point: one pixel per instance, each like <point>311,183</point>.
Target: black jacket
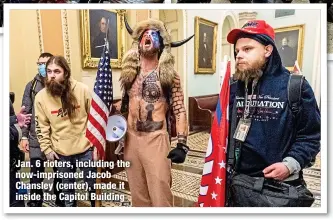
<point>15,152</point>
<point>28,101</point>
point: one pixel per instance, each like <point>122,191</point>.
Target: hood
<point>39,78</point>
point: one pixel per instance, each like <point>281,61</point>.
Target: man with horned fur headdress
<point>151,95</point>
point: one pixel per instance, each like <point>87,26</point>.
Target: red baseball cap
<point>252,27</point>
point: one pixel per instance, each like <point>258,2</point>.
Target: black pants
<point>14,190</point>
<point>34,179</point>
<point>56,192</point>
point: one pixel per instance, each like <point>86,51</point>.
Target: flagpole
<point>213,181</point>
<point>98,203</point>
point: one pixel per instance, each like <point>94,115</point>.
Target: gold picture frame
<point>293,38</point>
<point>89,20</point>
<point>205,46</point>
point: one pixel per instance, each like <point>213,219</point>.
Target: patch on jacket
<point>262,107</point>
<point>60,112</point>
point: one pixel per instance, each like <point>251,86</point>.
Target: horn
<point>129,29</point>
<point>179,43</point>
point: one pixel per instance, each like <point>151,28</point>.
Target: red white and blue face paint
<point>150,40</point>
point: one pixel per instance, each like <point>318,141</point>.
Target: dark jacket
<point>15,152</point>
<point>274,133</point>
<point>27,101</point>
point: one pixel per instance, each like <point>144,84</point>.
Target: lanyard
<point>247,104</point>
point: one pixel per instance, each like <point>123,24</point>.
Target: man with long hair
<point>29,141</point>
<point>61,113</point>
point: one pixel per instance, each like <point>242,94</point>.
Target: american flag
<point>213,182</point>
<point>101,104</point>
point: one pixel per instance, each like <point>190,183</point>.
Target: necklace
<point>144,75</point>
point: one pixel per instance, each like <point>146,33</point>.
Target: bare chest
<point>147,104</point>
<point>147,88</point>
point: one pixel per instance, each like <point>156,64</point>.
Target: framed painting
<point>97,27</point>
<point>289,42</point>
<point>205,46</point>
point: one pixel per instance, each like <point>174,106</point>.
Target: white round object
<point>116,128</point>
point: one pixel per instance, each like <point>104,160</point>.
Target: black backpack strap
<point>232,141</point>
<point>33,89</point>
<point>294,99</point>
<point>295,92</point>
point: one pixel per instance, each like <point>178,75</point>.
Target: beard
<point>254,72</point>
<point>55,88</point>
<point>149,52</point>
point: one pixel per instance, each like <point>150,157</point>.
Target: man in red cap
<point>277,143</point>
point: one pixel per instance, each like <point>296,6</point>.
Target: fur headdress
<point>131,60</point>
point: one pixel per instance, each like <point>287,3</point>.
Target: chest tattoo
<point>150,90</point>
<point>149,125</point>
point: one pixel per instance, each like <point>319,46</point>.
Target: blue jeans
<point>85,156</point>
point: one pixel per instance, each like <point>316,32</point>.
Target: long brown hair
<point>68,100</point>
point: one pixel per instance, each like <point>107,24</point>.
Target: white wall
<point>308,17</point>
<point>204,84</point>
